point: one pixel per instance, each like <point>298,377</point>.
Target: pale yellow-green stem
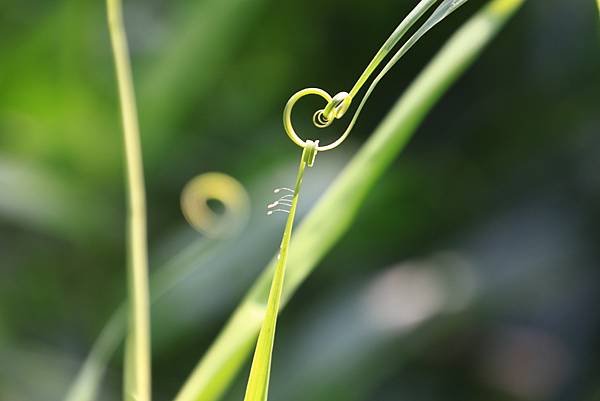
<point>260,371</point>
<point>137,348</point>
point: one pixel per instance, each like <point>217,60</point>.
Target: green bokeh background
<point>472,271</point>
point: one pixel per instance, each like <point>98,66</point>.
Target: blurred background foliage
<point>471,272</point>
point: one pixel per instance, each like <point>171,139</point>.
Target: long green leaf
<point>258,382</point>
<point>334,213</point>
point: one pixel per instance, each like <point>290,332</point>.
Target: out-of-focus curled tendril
<point>221,188</point>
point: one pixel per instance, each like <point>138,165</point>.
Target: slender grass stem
<point>260,371</point>
<point>137,352</point>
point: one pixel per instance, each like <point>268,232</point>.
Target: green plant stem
<point>137,348</point>
<point>258,381</point>
<point>334,213</point>
<point>391,42</point>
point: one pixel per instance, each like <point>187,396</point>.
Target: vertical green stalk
<point>137,347</point>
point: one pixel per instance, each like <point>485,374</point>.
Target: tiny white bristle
<point>270,212</point>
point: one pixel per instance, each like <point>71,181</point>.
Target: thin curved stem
<point>338,105</point>
<point>137,349</point>
<point>391,42</point>
<point>445,9</point>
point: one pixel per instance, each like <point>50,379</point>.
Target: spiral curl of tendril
<point>197,194</point>
<point>337,106</point>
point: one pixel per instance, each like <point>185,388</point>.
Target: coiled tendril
<point>220,187</point>
<point>337,106</point>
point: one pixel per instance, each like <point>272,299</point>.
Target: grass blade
<point>334,213</point>
<point>137,347</point>
<point>258,382</point>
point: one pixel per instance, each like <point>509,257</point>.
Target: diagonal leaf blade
<point>258,382</point>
